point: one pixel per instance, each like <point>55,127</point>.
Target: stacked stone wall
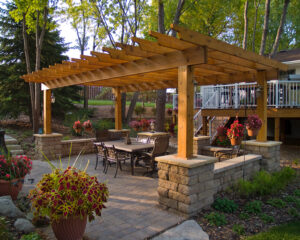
<point>78,145</point>
<point>48,145</point>
<point>199,143</point>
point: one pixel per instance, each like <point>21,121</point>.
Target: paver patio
<point>132,209</point>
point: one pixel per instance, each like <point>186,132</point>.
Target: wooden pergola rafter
<point>168,62</point>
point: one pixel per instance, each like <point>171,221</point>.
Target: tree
<point>266,28</point>
<point>245,25</point>
<point>280,28</point>
<point>29,12</point>
<point>14,91</point>
<point>256,4</point>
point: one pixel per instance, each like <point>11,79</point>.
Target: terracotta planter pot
<point>253,132</point>
<point>235,141</point>
<point>11,188</point>
<point>77,130</point>
<point>88,129</point>
<point>221,138</point>
<point>69,229</point>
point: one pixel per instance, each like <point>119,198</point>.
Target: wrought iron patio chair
<point>113,156</point>
<point>100,153</point>
<point>142,139</point>
<point>235,151</point>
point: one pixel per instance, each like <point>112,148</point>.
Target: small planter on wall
<point>235,141</point>
<point>12,187</point>
<point>253,132</point>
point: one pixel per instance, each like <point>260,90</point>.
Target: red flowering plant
<point>236,130</point>
<point>68,192</point>
<point>135,124</point>
<point>145,123</point>
<point>222,131</point>
<point>87,125</point>
<point>14,167</point>
<point>253,122</point>
<point>77,126</point>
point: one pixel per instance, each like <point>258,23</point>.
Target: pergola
<point>168,62</point>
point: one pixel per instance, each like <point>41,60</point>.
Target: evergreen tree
<point>14,91</point>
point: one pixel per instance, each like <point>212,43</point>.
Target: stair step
<point>16,152</point>
<point>14,147</point>
<point>11,141</point>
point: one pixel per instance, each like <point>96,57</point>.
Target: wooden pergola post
<point>204,125</point>
<point>118,109</point>
<point>185,111</point>
<point>262,106</point>
<point>277,129</point>
<point>47,112</point>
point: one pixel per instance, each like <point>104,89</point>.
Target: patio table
<point>133,149</point>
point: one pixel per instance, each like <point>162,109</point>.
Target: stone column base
<point>186,186</point>
<point>115,134</point>
<point>200,142</point>
<point>48,145</point>
<point>269,150</point>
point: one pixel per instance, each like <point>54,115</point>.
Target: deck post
<point>262,105</point>
<point>185,111</point>
<point>47,112</point>
<point>204,125</point>
<point>277,129</point>
<point>118,109</point>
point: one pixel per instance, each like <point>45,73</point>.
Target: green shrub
<point>104,124</point>
<point>297,193</point>
<point>225,205</point>
<point>66,138</point>
<point>31,236</point>
<point>266,218</point>
<point>265,183</point>
<point>290,199</point>
<point>139,110</point>
<point>253,207</point>
<point>294,212</point>
<point>244,216</point>
<point>238,229</point>
<point>217,219</point>
<point>277,202</point>
<point>4,233</point>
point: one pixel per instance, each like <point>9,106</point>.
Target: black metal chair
<point>233,152</point>
<point>100,153</point>
<point>113,156</point>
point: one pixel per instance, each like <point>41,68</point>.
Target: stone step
<point>16,152</point>
<point>14,147</point>
<point>10,141</point>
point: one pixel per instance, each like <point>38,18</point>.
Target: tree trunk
<point>177,15</point>
<point>245,25</point>
<point>266,28</point>
<point>161,94</point>
<point>255,23</point>
<point>132,106</point>
<point>280,28</point>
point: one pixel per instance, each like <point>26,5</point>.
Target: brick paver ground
<point>132,209</point>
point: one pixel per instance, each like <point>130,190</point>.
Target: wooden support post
<point>47,112</point>
<point>118,109</point>
<point>277,129</point>
<point>204,125</point>
<point>185,111</point>
<point>262,106</point>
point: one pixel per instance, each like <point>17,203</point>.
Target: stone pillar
<point>49,145</point>
<point>186,186</point>
<point>199,142</point>
<point>115,134</point>
<point>269,150</point>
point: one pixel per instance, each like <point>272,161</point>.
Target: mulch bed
<point>253,224</point>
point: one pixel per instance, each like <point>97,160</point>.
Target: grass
<point>289,231</point>
<point>94,102</point>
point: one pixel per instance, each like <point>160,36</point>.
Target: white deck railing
<point>281,94</point>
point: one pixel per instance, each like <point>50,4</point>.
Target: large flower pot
<point>71,228</point>
<point>252,132</point>
<point>235,141</point>
<point>11,188</point>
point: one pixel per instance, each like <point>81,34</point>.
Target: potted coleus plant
<point>221,133</point>
<point>87,125</point>
<point>253,125</point>
<point>69,197</point>
<point>135,125</point>
<point>235,133</point>
<point>77,126</point>
<point>12,173</point>
<point>145,124</point>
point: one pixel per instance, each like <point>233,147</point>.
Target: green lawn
<point>111,102</point>
<point>289,231</point>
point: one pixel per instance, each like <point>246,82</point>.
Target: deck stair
<point>13,146</point>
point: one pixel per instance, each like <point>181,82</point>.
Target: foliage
<point>77,125</point>
<point>238,229</point>
<point>169,111</point>
<point>253,122</point>
<point>236,130</point>
<point>290,231</point>
<point>297,192</point>
<point>294,212</point>
<point>145,123</point>
<point>172,128</point>
<point>276,202</point>
<point>87,125</point>
<point>135,124</point>
<point>266,218</point>
<point>253,207</point>
<point>222,131</point>
<point>244,216</point>
<point>14,167</point>
<point>224,143</point>
<point>139,110</point>
<point>265,183</point>
<point>68,192</point>
<point>104,124</point>
<point>225,205</point>
<point>4,232</point>
<point>217,219</point>
<point>290,198</point>
<point>31,236</point>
